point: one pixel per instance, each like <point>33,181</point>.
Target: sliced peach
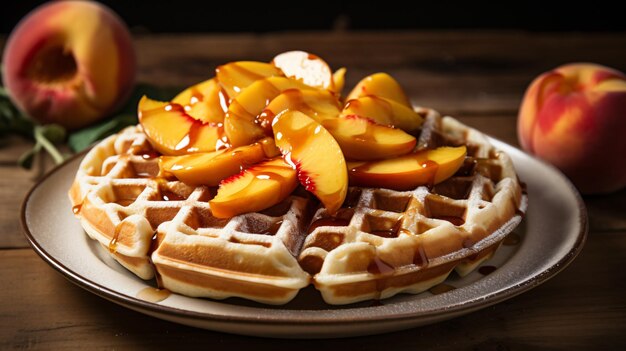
<point>234,77</point>
<point>315,154</point>
<point>210,168</point>
<point>339,80</point>
<point>317,104</point>
<point>362,139</point>
<point>172,132</point>
<point>381,85</point>
<point>384,111</point>
<point>407,172</point>
<point>308,68</point>
<point>240,123</point>
<point>254,189</point>
<point>203,101</point>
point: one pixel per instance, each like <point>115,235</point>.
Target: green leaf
<point>43,141</point>
<point>54,133</point>
<point>27,158</point>
<point>83,138</point>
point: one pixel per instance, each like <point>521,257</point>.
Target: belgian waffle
<point>384,242</point>
<point>380,243</point>
<point>153,226</point>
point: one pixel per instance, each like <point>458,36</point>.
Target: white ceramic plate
<point>551,236</point>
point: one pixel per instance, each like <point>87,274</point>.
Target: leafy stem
<point>42,139</point>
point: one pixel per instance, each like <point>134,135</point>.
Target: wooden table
<point>478,77</point>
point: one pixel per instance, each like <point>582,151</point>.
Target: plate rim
<point>270,319</point>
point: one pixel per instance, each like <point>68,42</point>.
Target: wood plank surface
<point>478,77</point>
<point>582,306</point>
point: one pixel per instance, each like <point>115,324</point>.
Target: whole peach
<point>575,118</point>
<point>69,62</point>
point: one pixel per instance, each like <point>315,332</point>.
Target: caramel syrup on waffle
<point>149,155</point>
<point>76,209</point>
<point>378,266</point>
<point>167,195</point>
<point>420,258</point>
<point>154,245</point>
<point>328,222</point>
<point>116,235</point>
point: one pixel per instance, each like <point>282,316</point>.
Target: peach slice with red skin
<point>426,167</point>
<point>381,85</point>
<point>234,77</point>
<point>211,168</point>
<point>306,67</point>
<point>317,104</point>
<point>204,101</point>
<point>362,139</point>
<point>384,111</point>
<point>254,189</point>
<point>240,124</point>
<point>171,131</point>
<point>316,156</point>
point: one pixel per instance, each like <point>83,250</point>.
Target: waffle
<point>384,242</point>
<point>380,243</point>
<point>153,226</point>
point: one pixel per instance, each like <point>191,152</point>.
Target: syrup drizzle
<point>328,222</point>
<point>153,295</point>
<point>116,234</point>
<point>167,195</point>
<point>76,209</point>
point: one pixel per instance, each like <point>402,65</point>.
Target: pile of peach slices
<point>257,129</point>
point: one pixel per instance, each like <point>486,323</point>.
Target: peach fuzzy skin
<point>69,62</point>
<point>575,118</point>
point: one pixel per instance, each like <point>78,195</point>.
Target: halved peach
<point>363,139</point>
<point>384,111</point>
<point>315,154</point>
<point>234,77</point>
<point>211,168</point>
<point>171,131</point>
<point>317,104</point>
<point>427,167</point>
<point>381,85</point>
<point>240,123</point>
<point>203,101</point>
<point>306,67</point>
<point>254,189</point>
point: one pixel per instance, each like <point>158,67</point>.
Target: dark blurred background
<point>267,16</point>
